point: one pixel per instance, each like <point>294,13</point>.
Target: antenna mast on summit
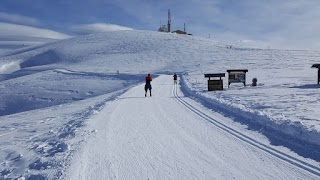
<point>169,20</point>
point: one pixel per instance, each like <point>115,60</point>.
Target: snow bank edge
<point>263,123</point>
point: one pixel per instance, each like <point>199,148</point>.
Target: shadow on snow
<point>56,87</point>
<point>308,86</point>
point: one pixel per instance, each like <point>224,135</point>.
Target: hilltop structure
<point>182,32</point>
<point>164,28</point>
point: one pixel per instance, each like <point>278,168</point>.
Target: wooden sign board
<point>317,66</point>
<point>214,85</point>
<point>237,76</point>
<point>217,84</point>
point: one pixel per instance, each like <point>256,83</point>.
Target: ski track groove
<point>281,155</point>
<point>8,133</point>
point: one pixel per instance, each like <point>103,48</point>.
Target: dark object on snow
<point>317,66</point>
<point>175,78</point>
<point>254,81</point>
<point>237,76</point>
<point>148,85</point>
<point>215,84</point>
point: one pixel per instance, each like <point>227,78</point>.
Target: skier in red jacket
<point>148,85</point>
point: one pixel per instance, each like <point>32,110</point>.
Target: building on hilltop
<point>182,32</point>
<point>179,32</point>
<point>167,28</point>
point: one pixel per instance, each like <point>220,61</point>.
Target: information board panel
<point>237,76</point>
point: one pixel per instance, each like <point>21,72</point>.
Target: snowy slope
<point>51,93</point>
<point>168,137</point>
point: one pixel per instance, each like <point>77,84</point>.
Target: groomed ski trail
<point>159,137</point>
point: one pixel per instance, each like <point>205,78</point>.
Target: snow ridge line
<point>283,156</point>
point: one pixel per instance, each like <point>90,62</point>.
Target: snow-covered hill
<point>50,92</point>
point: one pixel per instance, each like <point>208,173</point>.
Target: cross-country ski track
<point>170,136</point>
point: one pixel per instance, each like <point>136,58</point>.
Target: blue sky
<point>268,23</point>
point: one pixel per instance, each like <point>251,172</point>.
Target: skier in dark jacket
<point>148,85</point>
<point>175,78</point>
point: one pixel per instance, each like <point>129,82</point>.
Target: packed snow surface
<point>75,109</point>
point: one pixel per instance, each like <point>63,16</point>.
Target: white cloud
<point>14,18</point>
<point>98,27</point>
<point>7,29</point>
